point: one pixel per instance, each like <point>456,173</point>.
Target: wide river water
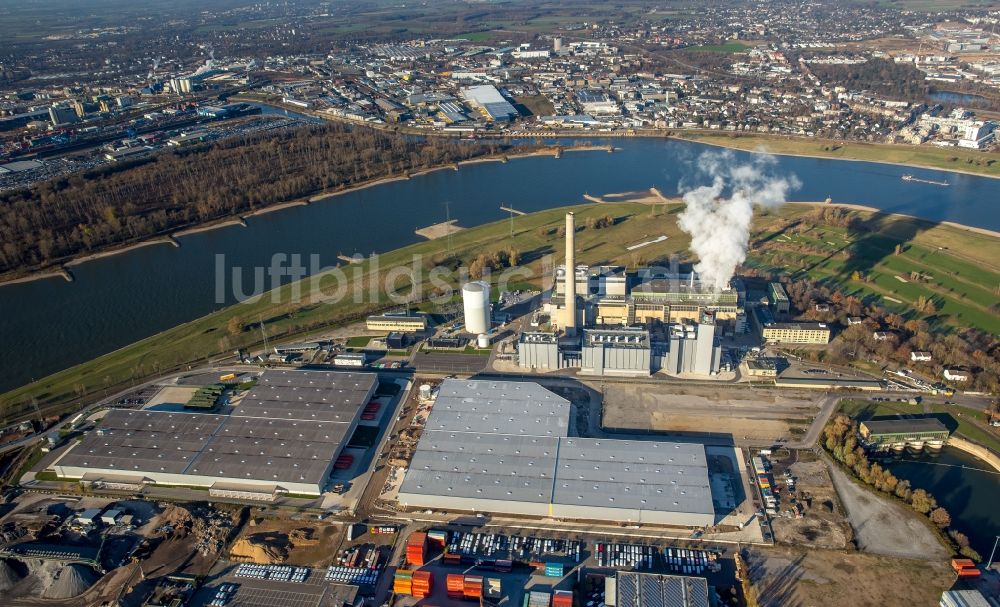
<point>47,325</point>
<point>966,486</point>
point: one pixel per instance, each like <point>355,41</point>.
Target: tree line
<point>117,204</point>
<point>840,440</point>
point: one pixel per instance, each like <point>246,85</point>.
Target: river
<point>966,486</point>
<point>47,325</point>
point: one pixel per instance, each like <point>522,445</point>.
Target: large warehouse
<point>503,447</point>
<point>283,437</point>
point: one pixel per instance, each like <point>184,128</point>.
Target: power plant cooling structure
<point>569,323</point>
<point>476,303</point>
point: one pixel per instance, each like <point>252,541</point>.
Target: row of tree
<point>840,439</point>
<point>86,211</point>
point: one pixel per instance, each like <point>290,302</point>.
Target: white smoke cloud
<point>718,216</point>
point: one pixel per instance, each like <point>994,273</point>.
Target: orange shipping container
<point>562,598</point>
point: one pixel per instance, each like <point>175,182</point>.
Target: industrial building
<point>629,589</point>
<point>538,350</point>
<point>609,295</point>
<point>828,382</point>
<point>613,322</point>
<point>777,297</point>
<point>899,433</point>
<point>503,447</point>
<point>476,306</point>
<point>490,102</point>
<point>694,348</point>
<point>408,323</point>
<point>623,351</point>
<point>283,437</point>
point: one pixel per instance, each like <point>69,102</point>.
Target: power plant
<point>605,320</point>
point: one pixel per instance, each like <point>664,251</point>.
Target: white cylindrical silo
<point>483,341</point>
<point>476,303</point>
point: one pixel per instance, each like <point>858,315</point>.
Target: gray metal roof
<point>282,441</point>
<point>499,407</point>
<point>316,396</point>
<point>506,463</point>
<point>484,466</point>
<point>641,475</point>
<point>652,590</point>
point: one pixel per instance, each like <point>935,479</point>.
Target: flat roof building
<point>282,437</point>
<point>778,298</point>
<point>392,322</point>
<point>628,589</point>
<point>490,102</point>
<point>503,447</point>
<point>789,332</point>
<point>891,431</point>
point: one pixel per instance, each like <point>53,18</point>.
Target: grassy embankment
<point>961,268</point>
<point>209,338</point>
<point>954,418</point>
<point>949,159</point>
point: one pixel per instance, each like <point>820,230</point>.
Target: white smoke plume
<point>718,216</point>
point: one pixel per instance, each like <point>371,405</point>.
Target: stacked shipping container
<point>421,584</point>
<point>965,568</point>
<point>403,582</point>
<point>455,584</point>
<point>416,549</point>
<point>437,538</point>
<point>473,587</point>
<point>537,598</point>
<point>562,598</point>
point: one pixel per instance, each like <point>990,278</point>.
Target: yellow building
<point>796,333</point>
<point>389,323</point>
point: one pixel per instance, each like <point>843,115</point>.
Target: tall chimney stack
<point>569,324</point>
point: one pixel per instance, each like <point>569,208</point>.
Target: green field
<point>214,337</point>
<point>984,163</point>
<point>729,47</point>
<point>961,269</point>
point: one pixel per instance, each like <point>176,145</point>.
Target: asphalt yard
<point>315,591</point>
<point>448,362</point>
<point>269,597</point>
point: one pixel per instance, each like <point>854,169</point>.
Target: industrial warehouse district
<point>625,438</point>
<point>719,395</point>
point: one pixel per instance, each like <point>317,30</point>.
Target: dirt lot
<point>306,543</point>
<point>190,539</point>
<point>757,414</point>
<point>884,526</point>
<point>792,577</point>
<point>824,524</point>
